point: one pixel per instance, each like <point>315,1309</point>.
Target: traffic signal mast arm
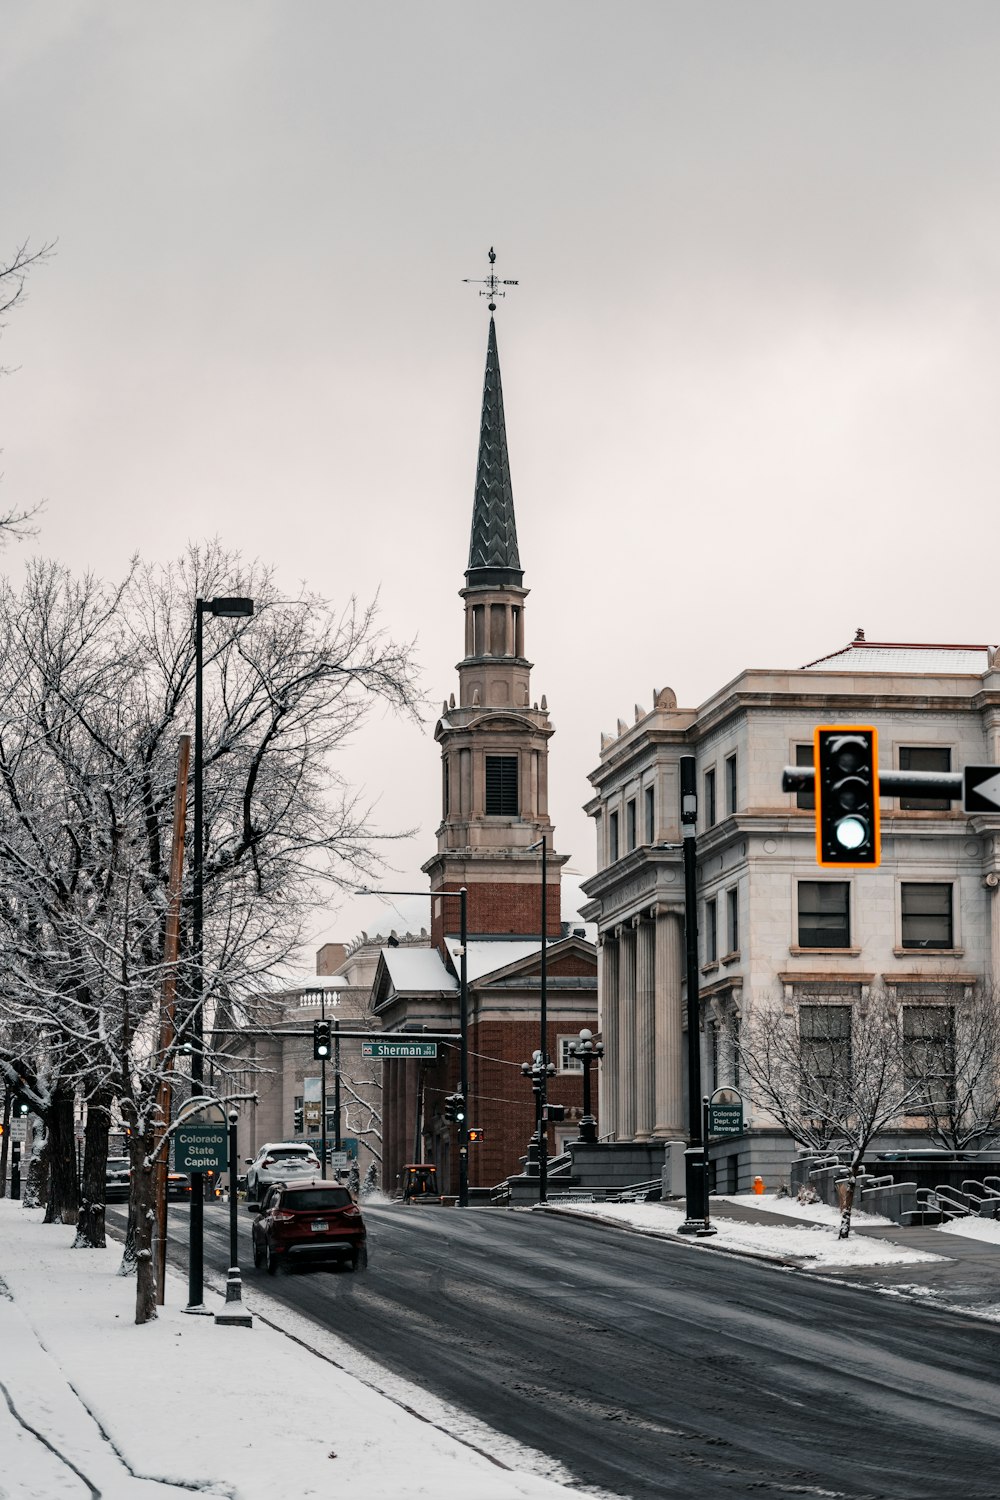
<point>943,784</point>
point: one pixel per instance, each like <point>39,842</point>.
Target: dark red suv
<point>309,1221</point>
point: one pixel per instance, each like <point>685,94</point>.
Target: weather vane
<point>492,283</point>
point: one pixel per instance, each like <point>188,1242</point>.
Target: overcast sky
<point>758,248</point>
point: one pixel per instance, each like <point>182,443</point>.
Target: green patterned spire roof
<point>493,557</point>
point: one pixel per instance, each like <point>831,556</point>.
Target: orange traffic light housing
<point>848,829</point>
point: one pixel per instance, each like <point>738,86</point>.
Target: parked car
<point>178,1185</point>
<point>278,1161</point>
<point>116,1179</point>
<point>309,1221</point>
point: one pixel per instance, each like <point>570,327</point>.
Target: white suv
<point>279,1161</point>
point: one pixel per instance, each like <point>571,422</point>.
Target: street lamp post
<point>234,1312</point>
<point>546,1070</point>
<point>226,609</point>
<point>695,1164</point>
<point>588,1051</point>
<point>463,1002</point>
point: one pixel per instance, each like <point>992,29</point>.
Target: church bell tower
<point>494,738</point>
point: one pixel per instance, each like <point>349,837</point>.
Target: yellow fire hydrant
<point>758,1185</point>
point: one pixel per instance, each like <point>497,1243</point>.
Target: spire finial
<point>492,283</point>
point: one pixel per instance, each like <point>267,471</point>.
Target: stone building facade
<point>772,923</point>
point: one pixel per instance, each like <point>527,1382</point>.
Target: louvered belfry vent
<point>501,786</point>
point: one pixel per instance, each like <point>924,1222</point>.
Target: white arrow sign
<point>981,789</point>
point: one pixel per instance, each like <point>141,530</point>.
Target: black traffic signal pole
<point>336,1088</point>
<point>695,1164</point>
<point>322,1096</point>
<point>944,784</point>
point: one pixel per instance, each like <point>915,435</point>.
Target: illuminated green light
<point>851,832</point>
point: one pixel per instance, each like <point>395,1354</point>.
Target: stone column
<point>608,1015</point>
<point>669,1051</point>
<point>626,1035</point>
<point>644,1028</point>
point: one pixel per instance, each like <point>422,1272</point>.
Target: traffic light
<point>21,1106</point>
<point>454,1108</point>
<point>299,1119</point>
<point>321,1040</point>
<point>847,792</point>
<point>476,1135</point>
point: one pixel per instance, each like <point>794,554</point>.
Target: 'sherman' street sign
<point>388,1050</point>
<point>200,1148</point>
<point>981,789</point>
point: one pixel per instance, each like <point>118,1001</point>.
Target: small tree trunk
<point>90,1223</point>
<point>64,1188</point>
<point>5,1142</point>
<point>36,1176</point>
<point>145,1219</point>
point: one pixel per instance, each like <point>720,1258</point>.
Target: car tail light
<point>268,1161</point>
<point>283,1217</point>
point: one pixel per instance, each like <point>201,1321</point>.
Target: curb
<point>685,1241</point>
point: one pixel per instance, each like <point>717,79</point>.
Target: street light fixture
<point>589,1051</point>
<point>540,1071</point>
<point>546,1070</point>
<point>234,1313</point>
<point>229,608</point>
<point>463,1049</point>
<point>695,1162</point>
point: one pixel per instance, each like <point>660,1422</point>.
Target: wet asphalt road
<point>652,1369</point>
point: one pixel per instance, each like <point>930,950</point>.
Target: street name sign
<point>981,789</point>
<point>390,1050</point>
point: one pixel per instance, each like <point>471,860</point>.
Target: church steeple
<point>494,740</point>
<point>493,556</point>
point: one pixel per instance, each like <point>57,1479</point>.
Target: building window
<point>733,920</point>
<point>926,909</point>
<point>711,931</point>
<point>730,784</point>
<point>650,806</point>
<point>567,1062</point>
<point>713,1037</point>
<point>710,809</point>
<point>612,837</point>
<point>824,1053</point>
<point>924,758</point>
<point>734,1049</point>
<point>501,786</point>
<point>447,787</point>
<point>804,757</point>
<point>630,823</point>
<point>824,914</point>
<point>929,1059</point>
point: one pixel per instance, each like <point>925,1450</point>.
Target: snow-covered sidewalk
<point>90,1403</point>
<point>814,1246</point>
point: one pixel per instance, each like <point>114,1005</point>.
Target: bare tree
<point>96,686</point>
<point>829,1073</point>
<point>15,523</point>
<point>950,1057</point>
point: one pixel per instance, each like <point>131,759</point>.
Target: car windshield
<point>308,1200</point>
<point>292,1153</point>
<point>117,1163</point>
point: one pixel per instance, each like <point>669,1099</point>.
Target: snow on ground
<point>974,1229</point>
<point>791,1208</point>
<point>816,1248</point>
<point>89,1402</point>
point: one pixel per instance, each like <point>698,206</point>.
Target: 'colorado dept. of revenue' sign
<point>200,1148</point>
<point>725,1113</point>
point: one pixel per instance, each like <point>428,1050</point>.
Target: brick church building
<point>494,741</point>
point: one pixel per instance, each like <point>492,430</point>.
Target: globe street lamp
<point>225,609</point>
<point>539,1070</point>
<point>588,1051</point>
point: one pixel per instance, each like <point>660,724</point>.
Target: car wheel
<point>359,1259</point>
<point>272,1262</point>
<point>258,1256</point>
